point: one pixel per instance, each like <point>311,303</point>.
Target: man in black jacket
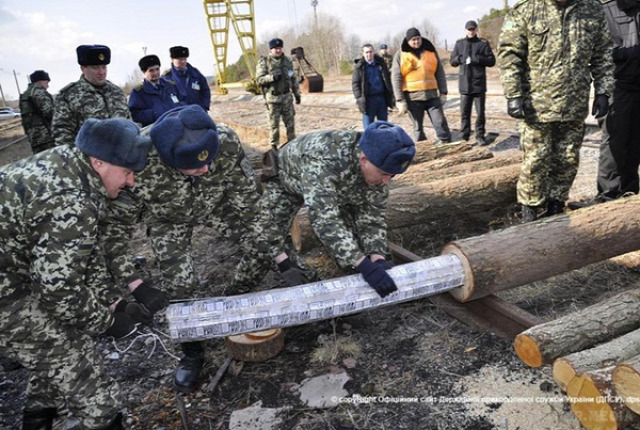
<point>473,54</point>
<point>371,85</point>
<point>620,148</point>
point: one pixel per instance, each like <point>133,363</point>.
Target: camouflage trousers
<point>64,365</point>
<point>40,138</point>
<point>285,111</point>
<point>550,161</point>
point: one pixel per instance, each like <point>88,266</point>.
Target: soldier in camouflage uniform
<point>197,175</point>
<point>549,51</point>
<point>384,53</point>
<point>92,96</point>
<point>342,178</point>
<point>55,291</point>
<point>36,108</point>
<point>277,80</point>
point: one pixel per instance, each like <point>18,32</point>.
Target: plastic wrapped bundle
<point>283,307</point>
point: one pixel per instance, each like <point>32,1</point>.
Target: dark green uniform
<point>36,108</point>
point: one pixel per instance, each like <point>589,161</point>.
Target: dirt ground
<point>411,366</point>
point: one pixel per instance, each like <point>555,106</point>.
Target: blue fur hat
<point>388,147</point>
<point>276,43</point>
<point>93,55</point>
<point>186,137</point>
<point>116,140</point>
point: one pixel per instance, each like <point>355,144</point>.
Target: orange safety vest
<point>419,74</point>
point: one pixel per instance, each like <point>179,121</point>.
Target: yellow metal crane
<point>240,14</point>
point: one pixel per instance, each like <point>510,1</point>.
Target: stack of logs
<point>472,184</point>
<point>600,376</point>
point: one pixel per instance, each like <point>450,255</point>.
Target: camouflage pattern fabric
<point>321,171</point>
<point>171,204</point>
<point>53,281</point>
<point>36,107</point>
<point>550,162</point>
<point>79,101</point>
<point>388,60</point>
<point>548,55</point>
<point>278,94</point>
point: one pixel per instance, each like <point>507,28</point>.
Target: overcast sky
<point>43,34</point>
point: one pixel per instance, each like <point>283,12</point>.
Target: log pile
<point>595,354</point>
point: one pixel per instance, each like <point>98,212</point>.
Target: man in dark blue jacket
<point>473,54</point>
<point>193,88</point>
<point>153,96</point>
<point>371,86</point>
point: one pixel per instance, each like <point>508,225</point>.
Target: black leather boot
<point>529,213</point>
<point>116,424</point>
<point>41,419</point>
<point>554,207</point>
<point>186,376</point>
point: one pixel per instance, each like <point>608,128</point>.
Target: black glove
<point>377,277</point>
<point>297,99</point>
<point>514,108</point>
<point>276,76</point>
<point>122,326</point>
<point>600,106</point>
<point>292,273</point>
<point>152,298</point>
<point>136,311</point>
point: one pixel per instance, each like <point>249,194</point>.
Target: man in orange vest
<point>420,85</point>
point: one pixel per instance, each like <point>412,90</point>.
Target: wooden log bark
<point>426,151</point>
<point>529,252</point>
<point>604,355</point>
<point>476,160</point>
<point>595,403</point>
<point>544,343</point>
<point>477,199</point>
<point>626,380</point>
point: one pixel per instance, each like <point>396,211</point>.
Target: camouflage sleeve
<point>116,230</point>
<point>65,122</point>
<point>63,234</point>
<point>295,86</point>
<point>262,72</point>
<point>601,63</point>
<point>319,189</point>
<point>512,54</point>
<point>44,103</point>
<point>371,223</point>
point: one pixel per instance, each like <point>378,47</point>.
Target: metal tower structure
<point>220,13</point>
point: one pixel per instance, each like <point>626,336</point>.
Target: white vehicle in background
<point>8,113</point>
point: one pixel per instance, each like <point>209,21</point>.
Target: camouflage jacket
<point>323,168</point>
<point>163,196</point>
<point>548,55</point>
<point>276,91</point>
<point>36,109</point>
<point>80,100</point>
<point>51,203</point>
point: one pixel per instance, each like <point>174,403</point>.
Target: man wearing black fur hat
<point>279,85</point>
<point>154,95</point>
<point>36,108</point>
<point>420,85</point>
<point>193,88</point>
<point>92,96</point>
<point>55,292</point>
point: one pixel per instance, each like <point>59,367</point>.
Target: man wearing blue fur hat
<point>341,177</point>
<point>192,86</point>
<point>55,292</point>
<point>198,175</point>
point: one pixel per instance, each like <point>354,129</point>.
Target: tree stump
<point>604,355</point>
<point>544,343</point>
<point>258,346</point>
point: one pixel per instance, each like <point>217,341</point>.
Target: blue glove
<point>377,277</point>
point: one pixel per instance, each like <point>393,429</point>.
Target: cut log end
<point>563,373</point>
<point>627,383</point>
<point>528,351</point>
<point>255,347</point>
<point>466,291</point>
<point>588,407</point>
